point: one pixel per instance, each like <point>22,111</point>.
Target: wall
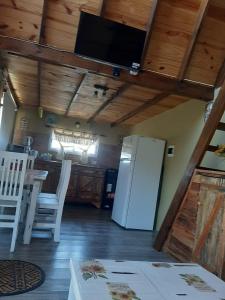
<point>7,122</point>
<point>110,138</point>
<point>181,127</point>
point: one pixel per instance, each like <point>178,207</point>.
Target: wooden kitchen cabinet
<point>85,186</point>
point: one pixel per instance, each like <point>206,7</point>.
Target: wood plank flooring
<point>86,233</point>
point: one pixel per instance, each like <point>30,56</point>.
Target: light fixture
<point>40,112</point>
<point>102,88</point>
<point>77,125</point>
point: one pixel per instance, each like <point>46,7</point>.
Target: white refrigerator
<point>138,182</point>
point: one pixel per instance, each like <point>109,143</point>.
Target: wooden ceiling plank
<point>68,59</point>
<point>201,147</point>
<point>188,53</point>
<point>118,93</point>
<point>149,30</point>
<point>221,75</point>
<point>76,93</point>
<point>140,109</point>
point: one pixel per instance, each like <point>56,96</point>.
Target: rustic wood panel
<point>197,233</point>
<point>63,19</point>
<point>209,51</point>
<point>21,18</point>
<point>173,27</point>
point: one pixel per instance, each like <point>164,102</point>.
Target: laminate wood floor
<point>86,233</point>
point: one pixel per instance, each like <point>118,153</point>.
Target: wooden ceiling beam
<point>118,93</point>
<point>43,22</point>
<point>221,75</point>
<point>102,8</point>
<point>12,91</point>
<point>187,56</point>
<point>68,59</point>
<point>149,30</point>
<point>140,109</point>
<point>221,126</point>
<point>76,93</point>
<point>201,147</point>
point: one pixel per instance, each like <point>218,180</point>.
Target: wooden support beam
<point>197,155</point>
<point>187,56</point>
<point>148,79</point>
<point>43,22</point>
<point>76,93</point>
<point>221,75</point>
<point>149,30</point>
<point>140,109</point>
<point>118,93</point>
<point>39,83</point>
<point>12,91</point>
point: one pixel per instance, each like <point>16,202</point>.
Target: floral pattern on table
<point>121,291</point>
<point>93,269</point>
<point>197,282</point>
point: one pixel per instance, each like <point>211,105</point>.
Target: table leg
<point>71,294</point>
<point>31,212</point>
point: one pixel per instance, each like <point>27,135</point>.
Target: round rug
<point>18,277</point>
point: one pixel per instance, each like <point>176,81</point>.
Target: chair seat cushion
<point>51,203</point>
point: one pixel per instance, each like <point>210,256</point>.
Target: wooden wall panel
<point>131,12</point>
<point>63,19</point>
<point>21,18</point>
<point>171,33</point>
<point>23,74</point>
<point>209,52</point>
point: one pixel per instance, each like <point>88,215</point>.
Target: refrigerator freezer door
<point>129,147</point>
<point>121,199</point>
<point>145,184</point>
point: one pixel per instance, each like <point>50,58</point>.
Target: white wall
<point>7,123</point>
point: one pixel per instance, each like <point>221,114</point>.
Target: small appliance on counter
<point>27,141</point>
<point>109,188</point>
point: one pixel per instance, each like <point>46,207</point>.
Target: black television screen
<point>108,41</point>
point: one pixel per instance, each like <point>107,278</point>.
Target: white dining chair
<point>27,189</point>
<point>12,176</point>
<point>50,206</point>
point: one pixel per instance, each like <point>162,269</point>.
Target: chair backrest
<point>30,162</point>
<point>64,180</point>
<point>12,175</point>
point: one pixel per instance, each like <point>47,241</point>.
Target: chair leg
<point>15,229</point>
<point>57,227</point>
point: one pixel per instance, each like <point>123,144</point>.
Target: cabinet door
<point>90,188</point>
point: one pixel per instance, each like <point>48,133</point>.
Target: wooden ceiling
<point>183,57</point>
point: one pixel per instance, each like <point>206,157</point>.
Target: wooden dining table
<point>34,178</point>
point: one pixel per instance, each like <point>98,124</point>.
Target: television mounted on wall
<point>110,42</point>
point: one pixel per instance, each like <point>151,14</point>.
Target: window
<point>74,142</point>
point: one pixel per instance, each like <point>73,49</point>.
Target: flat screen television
<point>108,41</point>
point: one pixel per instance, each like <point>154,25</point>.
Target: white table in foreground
<point>34,178</point>
<point>120,280</point>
